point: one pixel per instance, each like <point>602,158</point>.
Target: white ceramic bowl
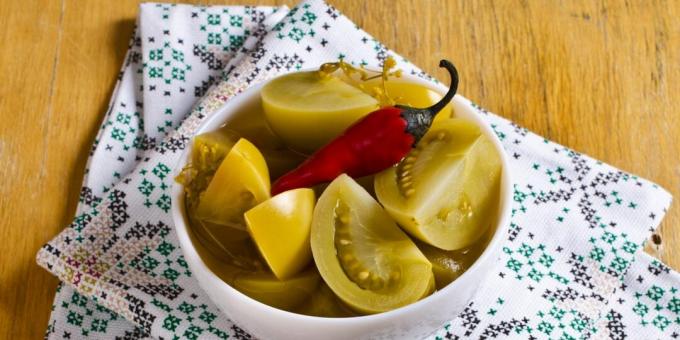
<point>413,321</point>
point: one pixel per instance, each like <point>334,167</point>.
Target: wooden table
<point>601,77</point>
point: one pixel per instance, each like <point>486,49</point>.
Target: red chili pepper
<point>374,143</point>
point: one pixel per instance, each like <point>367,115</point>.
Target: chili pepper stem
<point>434,109</point>
<point>419,120</point>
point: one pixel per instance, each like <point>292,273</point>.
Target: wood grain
<point>27,67</point>
<point>601,77</point>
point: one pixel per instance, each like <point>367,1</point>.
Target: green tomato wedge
<point>264,287</point>
<point>209,149</point>
<point>280,228</point>
<point>232,246</point>
<point>240,183</point>
<point>207,152</point>
<point>254,278</point>
<point>307,111</point>
<point>283,294</point>
<point>363,256</point>
<point>445,191</point>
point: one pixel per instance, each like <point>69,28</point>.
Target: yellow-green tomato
<point>280,228</point>
<point>408,93</point>
<point>307,110</point>
<point>363,256</point>
<point>283,294</point>
<point>240,266</point>
<point>240,183</point>
<point>232,246</point>
<point>446,189</point>
<point>209,149</point>
<point>207,152</point>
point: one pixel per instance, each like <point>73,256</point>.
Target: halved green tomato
<point>209,149</point>
<point>283,294</point>
<point>232,246</point>
<point>252,125</point>
<point>446,189</point>
<point>307,110</point>
<point>255,279</point>
<point>240,183</point>
<point>362,255</point>
<point>265,287</point>
<point>207,152</point>
<point>280,228</point>
<point>408,93</point>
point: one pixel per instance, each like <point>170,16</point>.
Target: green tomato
<point>363,256</point>
<point>445,191</point>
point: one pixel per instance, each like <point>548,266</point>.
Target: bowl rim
<point>194,259</point>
